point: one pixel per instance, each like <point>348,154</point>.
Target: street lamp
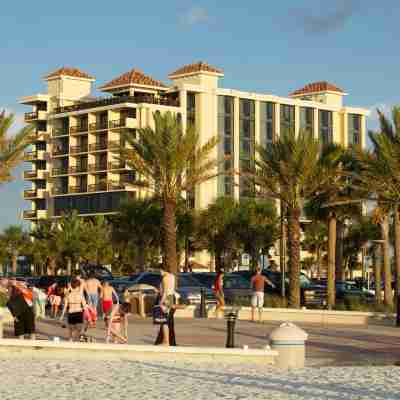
<point>282,250</point>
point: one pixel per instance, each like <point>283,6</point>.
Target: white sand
<point>29,379</point>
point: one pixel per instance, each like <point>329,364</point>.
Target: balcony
<point>115,145</point>
<point>116,185</point>
<point>59,171</point>
<point>41,136</point>
<point>30,155</point>
<point>109,101</point>
<point>98,167</point>
<point>98,126</point>
<point>98,146</point>
<point>78,149</point>
<point>60,151</point>
<point>29,214</point>
<point>30,174</point>
<point>30,194</point>
<point>73,130</point>
<point>128,178</point>
<point>59,190</point>
<point>115,165</point>
<point>130,123</point>
<point>77,189</point>
<point>98,187</point>
<point>57,132</point>
<point>35,115</point>
<point>78,169</point>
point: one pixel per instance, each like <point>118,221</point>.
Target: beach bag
<point>90,315</point>
<point>159,315</point>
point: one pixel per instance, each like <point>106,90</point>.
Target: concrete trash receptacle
<point>289,340</point>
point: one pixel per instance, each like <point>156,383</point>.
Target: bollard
<point>203,311</point>
<point>231,317</point>
<point>1,326</point>
<point>289,340</point>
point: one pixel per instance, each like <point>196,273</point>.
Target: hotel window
<point>226,144</point>
<point>287,119</point>
<point>354,130</point>
<point>325,127</point>
<point>307,120</point>
<point>247,145</point>
<point>267,112</point>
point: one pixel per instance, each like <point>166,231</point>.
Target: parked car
<point>188,287</point>
<point>236,288</point>
<point>346,289</point>
<point>99,271</point>
<point>47,280</point>
<point>310,293</point>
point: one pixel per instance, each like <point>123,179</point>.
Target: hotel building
<point>77,141</point>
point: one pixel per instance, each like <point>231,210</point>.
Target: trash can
<point>289,340</point>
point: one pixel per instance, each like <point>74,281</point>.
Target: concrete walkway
<point>327,345</point>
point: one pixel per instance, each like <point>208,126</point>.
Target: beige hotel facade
<point>75,154</point>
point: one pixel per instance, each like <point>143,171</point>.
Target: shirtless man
<point>107,295</point>
<point>93,289</point>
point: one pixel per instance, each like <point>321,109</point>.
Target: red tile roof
<point>316,87</point>
<point>196,67</point>
<point>68,71</point>
<point>132,77</point>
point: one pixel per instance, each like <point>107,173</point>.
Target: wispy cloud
<point>327,19</point>
<point>194,16</point>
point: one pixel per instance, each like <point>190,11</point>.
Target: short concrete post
<point>1,326</point>
<point>289,340</point>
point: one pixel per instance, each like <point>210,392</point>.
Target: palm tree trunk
<point>397,248</point>
<point>169,222</point>
<point>340,271</point>
<point>387,272</point>
<point>218,260</point>
<point>69,266</point>
<point>254,259</point>
<point>294,256</point>
<point>378,273</point>
<point>331,260</point>
<point>14,264</point>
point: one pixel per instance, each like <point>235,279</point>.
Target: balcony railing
<point>77,189</point>
<point>78,149</point>
<point>98,146</point>
<point>30,214</point>
<point>30,194</point>
<point>115,145</point>
<point>129,178</point>
<point>30,174</point>
<point>98,126</point>
<point>30,155</point>
<point>116,165</point>
<point>59,171</point>
<point>98,187</point>
<point>41,135</point>
<point>116,185</point>
<point>98,167</point>
<point>78,129</point>
<point>59,151</point>
<point>31,116</point>
<point>59,132</point>
<point>59,190</point>
<point>77,169</point>
<point>108,101</point>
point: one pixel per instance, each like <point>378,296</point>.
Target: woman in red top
<point>219,292</point>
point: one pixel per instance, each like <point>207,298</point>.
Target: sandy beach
<point>97,380</point>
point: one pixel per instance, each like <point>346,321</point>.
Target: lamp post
<point>282,250</point>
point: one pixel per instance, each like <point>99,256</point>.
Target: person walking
<point>93,291</point>
<point>74,303</point>
<point>39,302</point>
<point>108,294</point>
<point>218,288</point>
<point>166,302</point>
<point>258,282</point>
<point>20,305</point>
<point>117,329</point>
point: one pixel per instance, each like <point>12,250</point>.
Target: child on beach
<point>117,330</point>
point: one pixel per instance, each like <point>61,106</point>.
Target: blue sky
<point>263,46</point>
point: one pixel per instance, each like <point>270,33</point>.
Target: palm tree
<point>15,240</point>
<point>171,161</point>
<point>256,227</point>
<point>380,178</point>
<point>292,171</point>
<point>11,147</point>
<point>315,242</point>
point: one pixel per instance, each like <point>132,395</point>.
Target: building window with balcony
<point>247,145</point>
<point>287,116</point>
<point>267,127</point>
<point>354,129</point>
<point>307,120</point>
<point>325,127</point>
<point>225,145</point>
